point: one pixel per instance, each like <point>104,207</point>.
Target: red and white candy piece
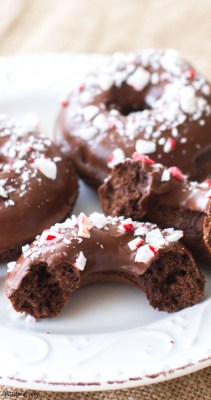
<point>176,173</point>
<point>140,157</point>
<point>64,102</point>
<point>126,225</point>
<point>209,194</point>
<point>84,226</point>
<point>135,243</point>
<point>145,253</point>
<point>155,238</point>
<point>169,146</point>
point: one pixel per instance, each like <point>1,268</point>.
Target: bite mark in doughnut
<point>144,190</point>
<point>38,186</point>
<point>45,275</point>
<point>152,102</point>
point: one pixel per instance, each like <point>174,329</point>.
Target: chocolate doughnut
<point>142,189</point>
<point>152,102</point>
<point>85,250</point>
<point>38,186</point>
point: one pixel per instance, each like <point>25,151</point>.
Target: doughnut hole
<point>126,99</point>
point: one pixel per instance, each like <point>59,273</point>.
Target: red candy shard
<point>139,244</point>
<point>176,173</point>
<point>169,145</point>
<point>50,237</point>
<point>81,88</point>
<point>140,157</point>
<point>153,250</point>
<point>128,227</point>
<point>208,182</point>
<point>64,103</point>
<point>191,73</point>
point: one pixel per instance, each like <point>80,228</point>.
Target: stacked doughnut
<point>150,103</point>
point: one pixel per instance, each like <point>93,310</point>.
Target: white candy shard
<point>117,157</point>
<point>88,133</point>
<point>80,261</point>
<point>142,230</point>
<point>172,61</point>
<point>99,220</point>
<point>155,238</point>
<point>139,79</point>
<point>11,266</point>
<point>144,254</point>
<point>90,112</point>
<point>3,193</point>
<point>101,122</point>
<point>105,82</point>
<point>46,167</point>
<point>165,176</point>
<point>145,146</point>
<point>172,235</point>
<point>188,99</point>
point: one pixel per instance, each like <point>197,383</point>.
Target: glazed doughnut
<point>85,250</point>
<point>152,102</point>
<point>38,186</point>
<point>142,189</point>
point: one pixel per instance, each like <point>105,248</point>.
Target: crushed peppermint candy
<point>116,157</point>
<point>188,99</point>
<point>145,146</point>
<point>3,193</point>
<point>176,173</point>
<point>172,235</point>
<point>47,167</point>
<point>84,226</point>
<point>155,238</point>
<point>169,145</point>
<point>140,157</point>
<point>135,243</point>
<point>165,175</point>
<point>139,79</point>
<point>80,261</point>
<point>90,112</point>
<point>99,220</point>
<point>144,254</point>
<point>11,266</point>
<point>209,194</point>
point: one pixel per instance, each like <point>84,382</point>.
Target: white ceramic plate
<point>107,337</point>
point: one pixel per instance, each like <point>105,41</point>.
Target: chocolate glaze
<point>38,186</point>
<point>163,196</point>
<point>169,107</point>
<point>91,254</point>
